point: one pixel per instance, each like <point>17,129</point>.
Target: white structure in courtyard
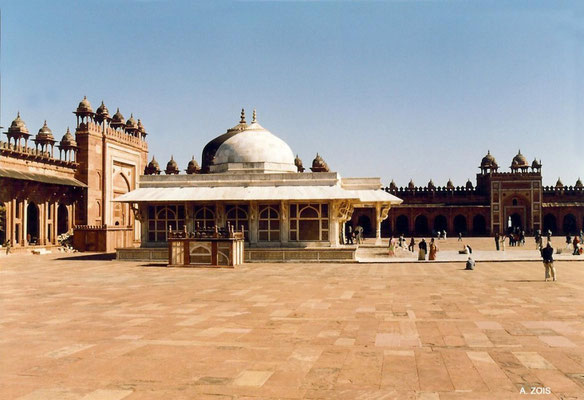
<point>250,178</point>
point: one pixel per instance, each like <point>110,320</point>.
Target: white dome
<point>254,149</point>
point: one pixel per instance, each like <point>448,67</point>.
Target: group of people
<point>515,238</point>
<point>354,236</point>
<point>423,247</point>
<point>575,244</point>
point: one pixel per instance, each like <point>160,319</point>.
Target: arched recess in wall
<point>440,223</point>
<point>386,228</point>
<point>365,222</point>
<point>549,223</point>
<point>62,219</point>
<point>479,225</point>
<point>421,225</point>
<point>460,224</point>
<point>32,223</point>
<point>121,211</point>
<point>402,225</point>
<point>569,224</point>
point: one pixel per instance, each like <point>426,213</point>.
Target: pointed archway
<point>62,219</point>
<point>32,224</point>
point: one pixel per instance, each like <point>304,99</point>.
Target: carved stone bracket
<point>383,213</point>
<point>253,211</point>
<point>283,211</point>
<point>343,210</point>
<point>137,214</point>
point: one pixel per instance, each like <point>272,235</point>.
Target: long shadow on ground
<point>91,257</point>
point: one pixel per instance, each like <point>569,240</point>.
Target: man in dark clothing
<point>547,253</point>
<point>423,249</point>
<point>497,241</point>
<point>349,231</point>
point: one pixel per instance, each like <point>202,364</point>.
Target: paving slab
<point>107,330</point>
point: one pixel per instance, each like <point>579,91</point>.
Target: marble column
<point>378,224</point>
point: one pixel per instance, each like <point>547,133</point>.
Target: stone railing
<point>30,153</point>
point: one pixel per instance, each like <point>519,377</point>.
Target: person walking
<point>423,249</point>
<point>412,245</point>
<point>547,254</point>
<point>568,241</point>
<point>497,241</point>
<point>359,230</point>
<point>503,237</point>
<point>460,236</point>
<point>576,247</point>
<point>391,247</point>
<point>433,250</point>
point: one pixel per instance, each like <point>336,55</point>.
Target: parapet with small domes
<point>298,163</point>
<point>319,165</point>
<point>193,167</point>
<point>171,167</point>
<point>152,168</point>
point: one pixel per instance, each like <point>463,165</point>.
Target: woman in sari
<point>433,250</point>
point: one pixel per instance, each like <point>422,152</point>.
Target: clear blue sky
<point>396,89</point>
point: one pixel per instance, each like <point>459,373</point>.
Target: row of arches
<point>424,226</point>
<point>33,224</point>
<point>569,224</point>
<point>304,221</point>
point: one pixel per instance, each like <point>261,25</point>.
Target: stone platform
<point>78,327</point>
<point>253,254</point>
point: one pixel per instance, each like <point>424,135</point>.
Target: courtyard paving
<point>76,328</point>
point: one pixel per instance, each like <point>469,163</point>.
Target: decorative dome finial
<point>298,163</point>
<point>254,116</point>
<point>242,120</point>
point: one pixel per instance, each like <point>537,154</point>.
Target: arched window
<point>309,222</point>
<point>237,217</point>
<point>514,202</point>
<point>160,218</point>
<point>269,224</point>
<point>204,217</point>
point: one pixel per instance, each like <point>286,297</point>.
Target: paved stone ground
<point>107,330</point>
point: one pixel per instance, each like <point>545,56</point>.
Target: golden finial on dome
<point>242,120</point>
<point>254,116</point>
